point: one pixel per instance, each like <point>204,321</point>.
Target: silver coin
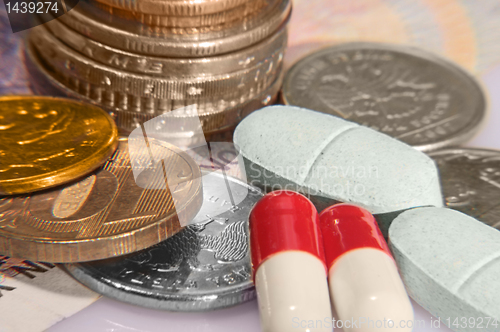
<point>205,266</point>
<point>171,67</point>
<point>218,114</point>
<point>470,180</point>
<point>404,92</point>
<point>176,42</point>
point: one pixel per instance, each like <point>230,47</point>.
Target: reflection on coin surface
<point>135,37</point>
<point>404,92</point>
<point>69,63</point>
<point>205,266</point>
<point>175,21</point>
<point>216,114</point>
<point>167,67</point>
<point>175,7</point>
<point>470,179</point>
<point>50,141</point>
<point>104,215</point>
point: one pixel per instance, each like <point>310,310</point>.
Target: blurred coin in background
<point>470,178</point>
<point>404,92</point>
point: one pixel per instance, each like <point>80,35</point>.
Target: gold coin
<point>45,142</point>
<point>108,213</point>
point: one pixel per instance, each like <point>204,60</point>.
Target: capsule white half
<point>368,293</point>
<point>285,305</point>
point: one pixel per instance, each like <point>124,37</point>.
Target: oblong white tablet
<point>286,147</point>
<point>450,264</point>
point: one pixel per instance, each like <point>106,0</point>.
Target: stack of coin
<point>141,59</point>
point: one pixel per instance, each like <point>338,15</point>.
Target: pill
<point>365,287</point>
<point>450,263</point>
<point>288,264</point>
<point>323,156</point>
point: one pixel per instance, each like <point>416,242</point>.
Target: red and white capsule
<point>288,264</point>
<point>365,287</point>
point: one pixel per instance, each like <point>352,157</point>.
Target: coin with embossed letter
<point>106,214</point>
<point>168,67</point>
<point>218,114</point>
<point>407,93</point>
<point>470,180</point>
<point>205,266</point>
<point>50,141</point>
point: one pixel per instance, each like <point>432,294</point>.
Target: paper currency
<point>13,76</point>
<point>465,31</point>
<point>34,296</point>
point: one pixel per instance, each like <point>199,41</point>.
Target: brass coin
<point>194,21</point>
<point>50,141</point>
<point>218,114</point>
<point>106,214</point>
<point>175,7</point>
<point>136,37</point>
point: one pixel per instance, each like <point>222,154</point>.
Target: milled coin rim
<point>180,7</point>
<point>459,150</point>
<point>70,251</point>
<point>158,42</point>
<point>225,16</point>
<point>479,118</point>
<point>183,67</point>
<point>127,120</point>
<point>49,48</point>
<point>172,302</point>
<point>70,173</point>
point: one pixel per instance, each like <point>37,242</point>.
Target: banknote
<point>465,31</point>
<point>35,296</point>
<point>13,75</point>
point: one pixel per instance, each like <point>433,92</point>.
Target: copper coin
<point>106,214</point>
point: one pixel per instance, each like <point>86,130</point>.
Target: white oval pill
<point>450,264</point>
<point>293,148</point>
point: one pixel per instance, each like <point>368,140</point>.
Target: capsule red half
<point>363,278</point>
<point>288,264</point>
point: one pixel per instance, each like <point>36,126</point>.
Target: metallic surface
<point>175,7</point>
<point>176,42</point>
<point>48,141</point>
<point>193,21</point>
<point>205,266</point>
<point>470,179</point>
<point>68,63</point>
<point>170,67</point>
<point>104,215</point>
<point>221,113</point>
<point>404,92</point>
